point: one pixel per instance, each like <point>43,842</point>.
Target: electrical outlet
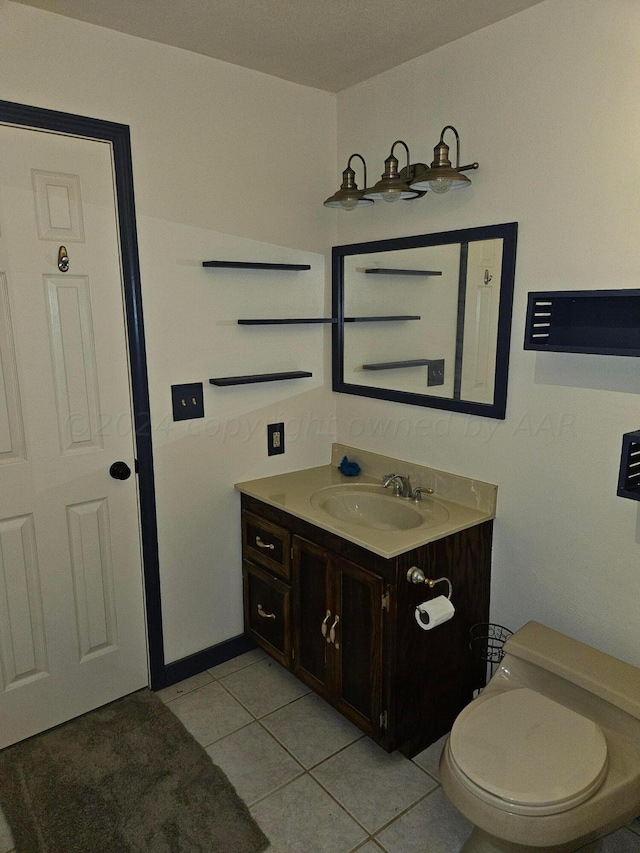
<point>188,401</point>
<point>275,439</point>
<point>435,372</point>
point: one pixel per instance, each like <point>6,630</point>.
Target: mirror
<point>426,320</point>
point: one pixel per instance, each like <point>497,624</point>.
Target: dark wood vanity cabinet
<point>341,618</point>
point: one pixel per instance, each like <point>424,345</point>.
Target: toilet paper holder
<point>416,575</point>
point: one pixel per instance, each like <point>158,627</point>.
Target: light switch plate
<point>188,401</point>
<point>435,372</point>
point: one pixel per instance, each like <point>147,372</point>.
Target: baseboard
<point>207,658</point>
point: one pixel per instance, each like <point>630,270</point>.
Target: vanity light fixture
<point>410,182</point>
<point>393,184</point>
<point>348,197</point>
<point>441,176</point>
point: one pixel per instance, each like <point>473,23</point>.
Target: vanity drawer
<point>267,544</point>
<point>267,612</point>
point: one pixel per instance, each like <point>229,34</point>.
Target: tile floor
<point>312,781</point>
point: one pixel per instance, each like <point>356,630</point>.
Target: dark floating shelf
<point>387,271</point>
<point>259,377</point>
<point>391,365</point>
<point>286,322</point>
<point>247,265</point>
<point>382,319</point>
<point>604,322</point>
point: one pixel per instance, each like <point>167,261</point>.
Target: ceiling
<point>326,44</point>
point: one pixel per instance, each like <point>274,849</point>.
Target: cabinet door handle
<point>264,613</point>
<point>332,631</point>
<point>262,544</point>
<point>323,627</point>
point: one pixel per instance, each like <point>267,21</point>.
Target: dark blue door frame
<point>118,135</point>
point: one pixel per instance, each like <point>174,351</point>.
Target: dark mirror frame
<point>508,232</point>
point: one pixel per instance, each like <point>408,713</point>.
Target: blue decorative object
<point>349,469</point>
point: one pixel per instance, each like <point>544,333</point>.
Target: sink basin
<point>369,505</point>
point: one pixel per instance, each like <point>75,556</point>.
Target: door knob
<point>120,471</point>
<point>63,259</point>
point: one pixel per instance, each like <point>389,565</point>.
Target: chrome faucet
<point>401,485</point>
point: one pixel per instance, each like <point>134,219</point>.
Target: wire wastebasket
<point>486,641</point>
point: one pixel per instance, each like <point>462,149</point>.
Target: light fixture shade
<point>441,176</point>
<point>388,190</point>
<point>449,177</point>
<point>348,197</point>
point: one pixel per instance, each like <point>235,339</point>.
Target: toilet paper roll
<point>432,613</point>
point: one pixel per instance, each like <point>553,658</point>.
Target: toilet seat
<point>527,754</point>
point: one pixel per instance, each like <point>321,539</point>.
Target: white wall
<point>546,101</point>
<point>211,143</point>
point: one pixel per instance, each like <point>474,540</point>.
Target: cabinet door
<point>357,671</point>
<point>312,615</point>
<point>338,632</point>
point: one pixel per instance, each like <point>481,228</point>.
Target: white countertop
<point>292,493</point>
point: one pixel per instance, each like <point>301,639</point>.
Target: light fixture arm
<point>348,197</point>
<point>458,167</point>
<point>364,166</point>
<point>457,135</point>
<point>442,176</point>
<point>393,184</point>
<point>406,148</point>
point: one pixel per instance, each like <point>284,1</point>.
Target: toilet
<point>547,757</point>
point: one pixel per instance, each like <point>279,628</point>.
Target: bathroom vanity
<point>329,597</point>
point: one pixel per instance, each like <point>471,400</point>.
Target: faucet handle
<point>419,491</point>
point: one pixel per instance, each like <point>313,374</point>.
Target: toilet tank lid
<point>611,679</point>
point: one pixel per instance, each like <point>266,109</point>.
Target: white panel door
<point>72,628</point>
<point>482,303</point>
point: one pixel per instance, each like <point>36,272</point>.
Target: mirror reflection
<point>425,320</point>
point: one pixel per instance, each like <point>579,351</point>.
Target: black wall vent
<point>629,480</point>
<point>606,322</point>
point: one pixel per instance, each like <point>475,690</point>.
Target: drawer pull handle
<point>264,613</point>
<point>262,544</point>
<point>324,628</point>
<point>332,631</point>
